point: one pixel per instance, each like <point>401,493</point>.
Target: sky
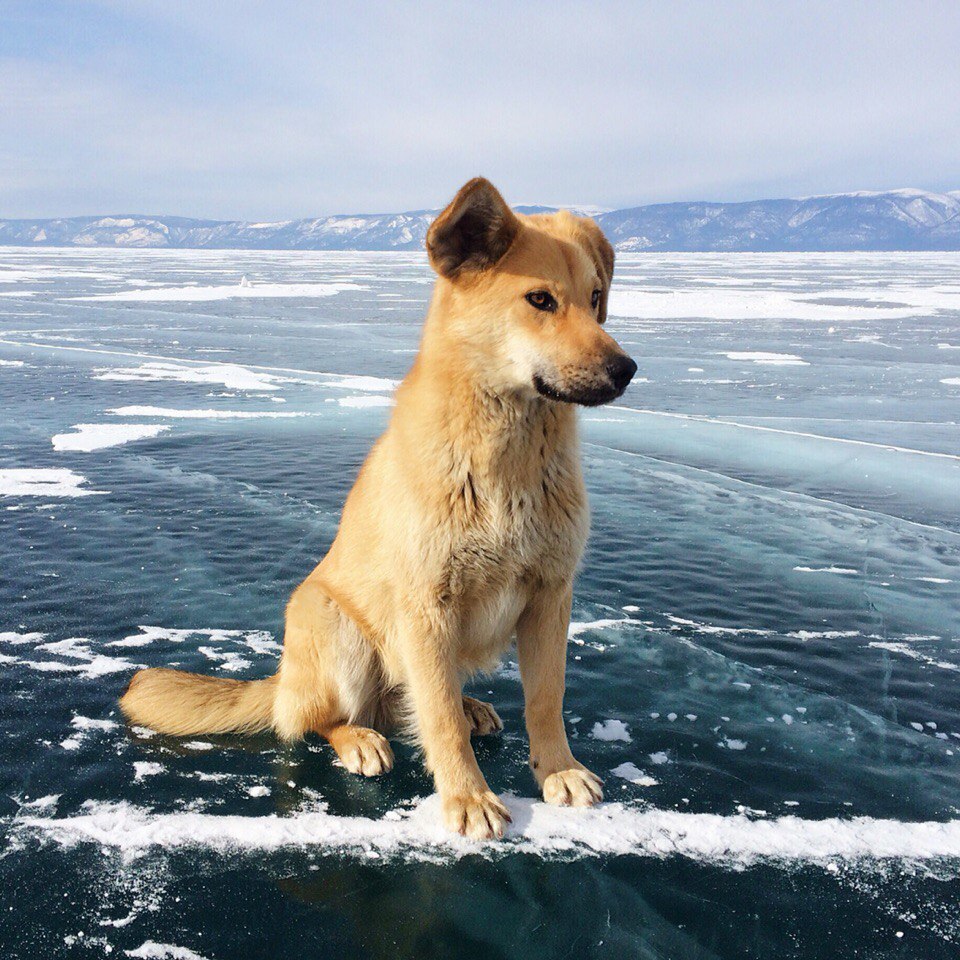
<point>280,109</point>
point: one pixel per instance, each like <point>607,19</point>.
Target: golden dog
<point>463,529</point>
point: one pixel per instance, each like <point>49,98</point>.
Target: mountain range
<point>892,220</point>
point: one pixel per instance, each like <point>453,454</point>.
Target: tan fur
<point>462,532</point>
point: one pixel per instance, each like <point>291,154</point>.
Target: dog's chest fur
<point>520,517</point>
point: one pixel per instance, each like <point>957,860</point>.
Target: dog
<point>463,529</point>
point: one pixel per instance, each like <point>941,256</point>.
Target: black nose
<point>621,371</point>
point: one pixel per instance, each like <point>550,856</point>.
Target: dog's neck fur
<point>494,434</point>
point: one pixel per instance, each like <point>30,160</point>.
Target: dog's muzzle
<point>591,391</point>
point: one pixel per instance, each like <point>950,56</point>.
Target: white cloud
<point>298,109</point>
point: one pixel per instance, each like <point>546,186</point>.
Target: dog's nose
<point>621,371</point>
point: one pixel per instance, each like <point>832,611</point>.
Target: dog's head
<point>526,297</point>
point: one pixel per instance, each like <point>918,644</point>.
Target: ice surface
<point>766,621</point>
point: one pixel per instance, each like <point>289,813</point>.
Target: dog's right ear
<point>473,232</point>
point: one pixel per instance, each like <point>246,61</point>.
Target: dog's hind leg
<point>360,749</point>
<point>483,719</point>
<point>330,681</point>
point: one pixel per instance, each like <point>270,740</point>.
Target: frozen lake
<point>763,665</point>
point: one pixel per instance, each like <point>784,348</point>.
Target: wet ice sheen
<point>762,659</point>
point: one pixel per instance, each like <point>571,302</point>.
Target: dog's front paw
<point>479,816</point>
<point>573,788</point>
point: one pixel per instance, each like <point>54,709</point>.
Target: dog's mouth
<point>592,396</point>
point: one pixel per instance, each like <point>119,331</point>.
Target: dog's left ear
<point>473,232</point>
<point>601,250</point>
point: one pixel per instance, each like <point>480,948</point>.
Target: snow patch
<point>175,414</point>
<point>43,482</point>
<point>611,730</point>
<point>146,768</point>
<point>229,375</point>
<point>365,401</point>
<point>906,650</point>
<point>98,436</point>
<point>86,727</point>
<point>151,950</point>
<point>631,772</point>
<point>224,292</point>
<point>776,359</point>
<point>538,828</point>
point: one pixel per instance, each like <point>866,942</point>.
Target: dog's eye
<point>595,299</point>
<point>542,300</point>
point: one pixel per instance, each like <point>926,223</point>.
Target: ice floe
<point>98,436</point>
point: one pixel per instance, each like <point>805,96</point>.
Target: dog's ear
<point>601,250</point>
<point>473,232</point>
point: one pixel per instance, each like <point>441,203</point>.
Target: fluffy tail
<point>179,703</point>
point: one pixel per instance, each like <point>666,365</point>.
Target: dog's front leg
<point>469,806</point>
<point>542,649</point>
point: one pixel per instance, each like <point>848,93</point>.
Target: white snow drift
<point>538,828</point>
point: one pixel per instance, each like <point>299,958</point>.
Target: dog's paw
<point>482,717</point>
<point>479,816</point>
<point>573,788</point>
<point>366,752</point>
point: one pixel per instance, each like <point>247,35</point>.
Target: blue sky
<point>280,109</point>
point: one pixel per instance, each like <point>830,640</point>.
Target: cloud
<point>293,109</point>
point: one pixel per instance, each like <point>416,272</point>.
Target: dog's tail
<point>180,703</point>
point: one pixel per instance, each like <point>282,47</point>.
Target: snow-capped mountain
<point>894,220</point>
